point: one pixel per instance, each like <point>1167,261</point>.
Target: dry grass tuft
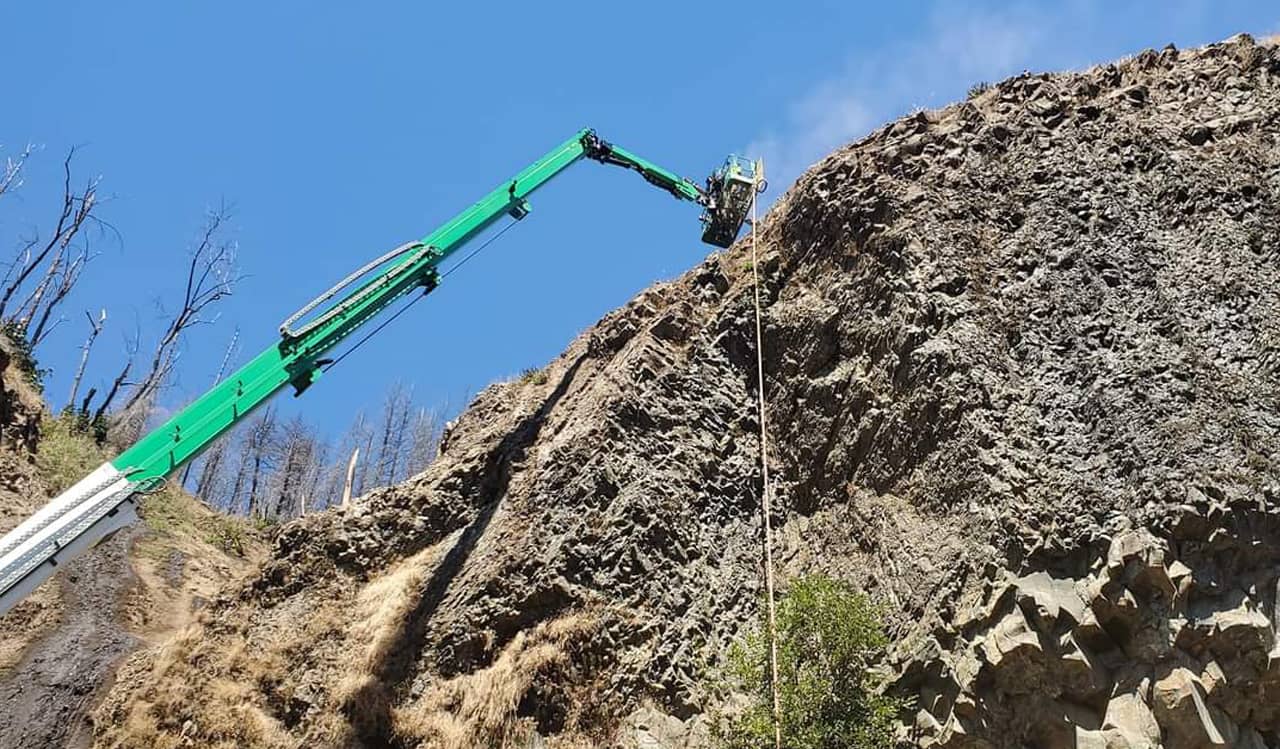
<point>480,709</point>
<point>386,602</point>
<point>214,687</point>
<point>221,710</point>
<point>381,609</point>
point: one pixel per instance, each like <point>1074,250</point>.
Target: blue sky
<point>339,130</point>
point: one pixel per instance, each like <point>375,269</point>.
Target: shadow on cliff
<point>369,709</point>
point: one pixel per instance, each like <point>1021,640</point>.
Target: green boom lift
<point>105,501</point>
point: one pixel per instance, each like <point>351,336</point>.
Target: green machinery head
<point>730,190</point>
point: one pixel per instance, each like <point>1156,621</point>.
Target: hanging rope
<point>766,497</point>
<point>477,250</point>
<point>365,338</point>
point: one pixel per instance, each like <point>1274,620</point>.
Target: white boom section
<point>72,523</point>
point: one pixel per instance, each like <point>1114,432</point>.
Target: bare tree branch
<point>121,380</point>
<point>11,176</point>
<point>77,208</point>
<point>67,279</point>
<point>206,478</point>
<point>210,278</point>
<point>259,441</point>
<point>95,328</point>
<point>424,438</point>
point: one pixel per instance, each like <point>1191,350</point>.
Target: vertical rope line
<point>766,497</point>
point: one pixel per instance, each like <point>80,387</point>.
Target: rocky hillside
<point>1022,358</point>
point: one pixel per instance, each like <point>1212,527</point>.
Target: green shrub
<point>828,637</point>
<point>978,89</point>
<point>82,421</point>
<point>227,534</point>
<point>23,354</point>
<point>533,375</point>
<point>165,512</point>
<point>65,454</point>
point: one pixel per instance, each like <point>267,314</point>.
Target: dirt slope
<point>60,647</point>
<point>1023,370</point>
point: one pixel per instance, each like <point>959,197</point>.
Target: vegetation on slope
<point>829,635</point>
<point>67,454</point>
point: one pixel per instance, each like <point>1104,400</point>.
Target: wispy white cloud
<point>825,118</point>
<point>958,44</point>
<point>956,47</point>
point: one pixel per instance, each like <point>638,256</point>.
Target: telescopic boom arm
<point>106,500</point>
<point>607,153</point>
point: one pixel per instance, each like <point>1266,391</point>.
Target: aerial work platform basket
<point>729,192</point>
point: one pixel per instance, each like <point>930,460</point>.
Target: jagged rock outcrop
<point>21,408</point>
<point>1163,639</point>
<point>1022,366</point>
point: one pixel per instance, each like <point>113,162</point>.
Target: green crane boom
<point>103,501</point>
<point>298,357</point>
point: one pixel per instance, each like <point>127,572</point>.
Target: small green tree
<point>828,637</point>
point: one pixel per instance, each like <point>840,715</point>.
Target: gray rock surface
<point>1022,365</point>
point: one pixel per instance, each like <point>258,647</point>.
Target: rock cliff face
<point>1022,369</point>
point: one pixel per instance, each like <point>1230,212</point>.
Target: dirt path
<point>46,699</point>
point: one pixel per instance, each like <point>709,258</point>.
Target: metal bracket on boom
<point>305,378</point>
<point>519,206</point>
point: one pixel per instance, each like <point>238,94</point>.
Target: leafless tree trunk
<point>210,278</point>
<point>396,410</point>
<point>368,476</point>
<point>238,476</point>
<point>95,328</point>
<point>351,475</point>
<point>360,436</point>
<point>403,442</point>
<point>222,369</point>
<point>424,441</point>
<point>212,469</point>
<point>61,283</point>
<point>384,444</point>
<point>127,426</point>
<point>333,480</point>
<point>298,468</point>
<point>259,439</point>
<point>99,416</point>
<point>228,355</point>
<point>285,469</point>
<point>314,494</point>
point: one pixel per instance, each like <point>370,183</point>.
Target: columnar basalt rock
<point>1195,669</point>
<point>1024,377</point>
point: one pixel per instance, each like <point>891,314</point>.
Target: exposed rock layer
<point>1022,362</point>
